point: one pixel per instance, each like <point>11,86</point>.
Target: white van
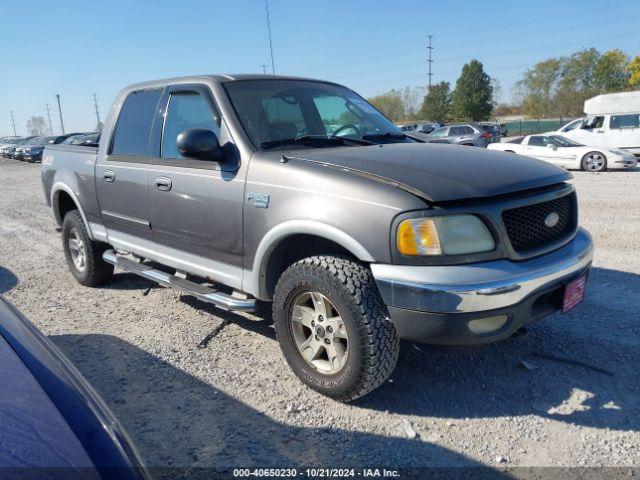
<point>612,120</point>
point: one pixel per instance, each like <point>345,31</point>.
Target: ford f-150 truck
<point>247,189</point>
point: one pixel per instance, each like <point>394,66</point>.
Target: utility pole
<point>60,112</point>
<point>264,69</point>
<point>273,68</point>
<point>95,103</point>
<point>13,122</point>
<point>49,117</point>
<point>429,61</point>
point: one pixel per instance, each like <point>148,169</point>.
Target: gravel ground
<point>234,402</point>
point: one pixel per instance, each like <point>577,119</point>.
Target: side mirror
<point>201,144</point>
<point>552,146</point>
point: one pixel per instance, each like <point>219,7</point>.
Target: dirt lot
<point>234,402</point>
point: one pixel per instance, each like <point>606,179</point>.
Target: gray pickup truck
<point>246,189</point>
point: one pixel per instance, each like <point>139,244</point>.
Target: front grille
<point>526,225</point>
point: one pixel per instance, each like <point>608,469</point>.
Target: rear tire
<point>84,256</point>
<point>356,347</point>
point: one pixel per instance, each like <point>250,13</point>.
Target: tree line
<point>556,87</point>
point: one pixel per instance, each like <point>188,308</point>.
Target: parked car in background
<point>567,127</point>
<point>10,151</point>
<point>501,128</point>
<point>468,134</point>
<point>389,239</point>
<point>89,140</point>
<point>428,127</point>
<point>32,150</point>
<point>567,153</point>
<point>612,121</point>
<point>407,127</point>
<point>74,136</point>
<point>7,144</point>
<point>52,422</point>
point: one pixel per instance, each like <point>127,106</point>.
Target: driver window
<point>186,110</point>
<point>593,122</point>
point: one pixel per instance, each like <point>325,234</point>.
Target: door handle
<point>109,176</point>
<point>163,183</point>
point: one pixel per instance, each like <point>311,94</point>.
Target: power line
<point>266,7</point>
<point>49,117</point>
<point>429,61</point>
<point>13,122</point>
<point>95,103</point>
<point>60,112</point>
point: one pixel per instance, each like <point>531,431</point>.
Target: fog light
<point>489,324</point>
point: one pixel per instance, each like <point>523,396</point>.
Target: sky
<point>77,48</point>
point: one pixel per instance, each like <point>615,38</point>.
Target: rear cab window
<point>131,136</point>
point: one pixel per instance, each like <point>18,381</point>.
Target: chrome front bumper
<point>480,286</point>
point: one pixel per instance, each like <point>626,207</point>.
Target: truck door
<point>196,205</point>
<point>591,132</point>
<point>121,175</point>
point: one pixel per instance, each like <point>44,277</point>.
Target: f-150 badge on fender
<point>260,200</point>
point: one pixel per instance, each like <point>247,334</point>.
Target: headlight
<point>450,235</point>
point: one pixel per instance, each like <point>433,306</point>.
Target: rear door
<point>196,205</point>
<point>121,176</point>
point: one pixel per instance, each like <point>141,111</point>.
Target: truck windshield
<point>275,113</point>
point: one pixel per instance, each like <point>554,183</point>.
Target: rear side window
<point>624,121</point>
<point>131,136</point>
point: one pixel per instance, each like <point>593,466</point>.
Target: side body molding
<point>254,282</point>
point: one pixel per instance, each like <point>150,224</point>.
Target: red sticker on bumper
<point>574,293</point>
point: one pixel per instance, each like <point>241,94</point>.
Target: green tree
<point>437,103</point>
<point>634,73</point>
<point>611,73</point>
<point>390,104</point>
<point>473,97</point>
<point>537,88</point>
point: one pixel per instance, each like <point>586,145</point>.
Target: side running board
<point>202,292</point>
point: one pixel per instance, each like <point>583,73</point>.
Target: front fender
<point>256,281</point>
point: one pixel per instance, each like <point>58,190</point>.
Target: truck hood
<point>439,172</point>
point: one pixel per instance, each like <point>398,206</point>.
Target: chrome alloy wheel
<point>594,162</point>
<point>319,332</point>
<point>77,250</point>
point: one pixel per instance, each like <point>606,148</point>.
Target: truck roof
<point>220,78</point>
<point>624,102</point>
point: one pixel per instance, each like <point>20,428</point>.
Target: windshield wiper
<point>386,136</point>
<point>310,140</point>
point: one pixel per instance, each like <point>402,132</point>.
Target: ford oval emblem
<point>552,219</point>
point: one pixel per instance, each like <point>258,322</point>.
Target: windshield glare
<point>275,110</point>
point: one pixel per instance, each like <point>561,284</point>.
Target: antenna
<point>95,103</point>
<point>60,112</point>
<point>264,69</point>
<point>49,117</point>
<point>266,7</point>
<point>429,61</point>
<point>13,121</point>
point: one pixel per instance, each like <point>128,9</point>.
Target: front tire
<point>594,162</point>
<point>84,256</point>
<point>333,327</point>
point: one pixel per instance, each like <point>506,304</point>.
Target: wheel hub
<point>319,332</point>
